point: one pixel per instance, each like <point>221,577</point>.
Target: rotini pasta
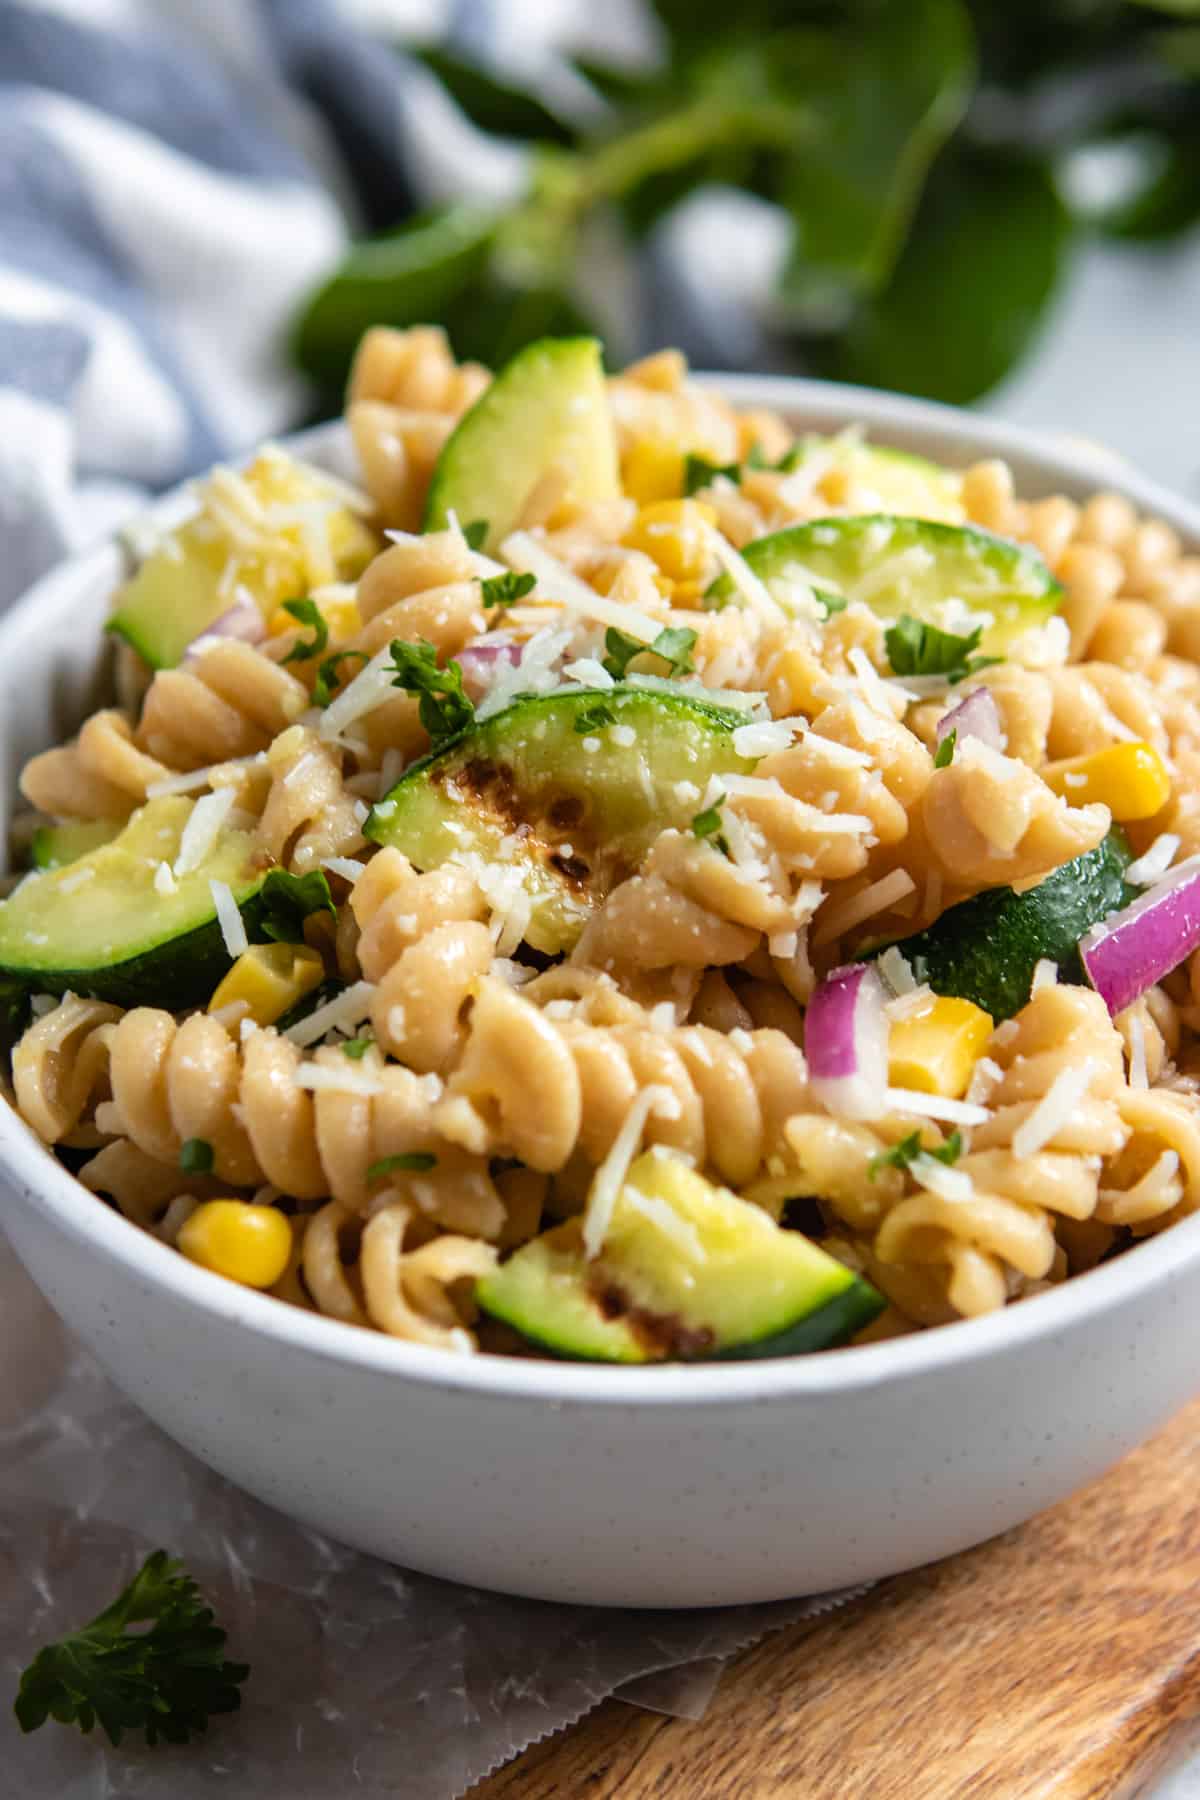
<point>682,873</point>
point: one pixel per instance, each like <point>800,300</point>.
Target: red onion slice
<point>1130,950</point>
<point>845,1040</point>
<point>977,716</point>
<point>243,620</point>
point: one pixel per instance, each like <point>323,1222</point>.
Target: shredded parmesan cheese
<point>521,550</point>
<point>934,1106</point>
<point>1053,1110</point>
<point>610,1176</point>
<point>348,867</point>
<point>200,834</point>
<point>1045,974</point>
<point>888,891</point>
<point>1138,1076</point>
<point>1155,862</point>
<point>950,1184</point>
<point>343,1012</point>
<point>349,1080</point>
<point>233,928</point>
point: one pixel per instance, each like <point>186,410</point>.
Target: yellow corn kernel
<point>653,470</point>
<point>267,979</point>
<point>239,1240</point>
<point>674,534</point>
<point>1130,779</point>
<point>340,612</point>
<point>934,1051</point>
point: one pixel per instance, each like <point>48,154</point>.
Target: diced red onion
<point>480,659</point>
<point>977,716</point>
<point>845,1041</point>
<point>1129,951</point>
<point>243,620</point>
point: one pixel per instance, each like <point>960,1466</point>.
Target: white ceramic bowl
<point>656,1487</point>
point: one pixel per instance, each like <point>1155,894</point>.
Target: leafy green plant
<point>925,156</point>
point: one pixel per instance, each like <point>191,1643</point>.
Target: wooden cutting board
<point>1059,1662</point>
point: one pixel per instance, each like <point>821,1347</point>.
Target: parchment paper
<point>365,1680</point>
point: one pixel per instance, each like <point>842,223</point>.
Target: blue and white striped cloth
<point>176,174</point>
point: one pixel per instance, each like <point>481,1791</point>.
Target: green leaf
<point>707,824</point>
<point>699,473</point>
<point>445,709</point>
<point>1168,201</point>
<point>493,103</point>
<point>307,612</point>
<point>416,1162</point>
<point>356,1048</point>
<point>327,675</point>
<point>196,1157</point>
<point>971,288</point>
<point>887,89</point>
<point>594,718</point>
<point>406,277</point>
<point>504,590</point>
<point>167,1681</point>
<point>905,1153</point>
<point>476,534</point>
<point>287,900</point>
<point>943,756</point>
<point>915,648</point>
<point>674,644</point>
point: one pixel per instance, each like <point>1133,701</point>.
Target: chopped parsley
<point>674,644</point>
<point>943,756</point>
<point>699,472</point>
<point>707,824</point>
<point>905,1153</point>
<point>445,709</point>
<point>506,589</point>
<point>287,900</point>
<point>307,612</point>
<point>594,718</point>
<point>196,1157</point>
<point>414,1162</point>
<point>327,675</point>
<point>915,648</point>
<point>356,1048</point>
<point>476,533</point>
<point>166,1681</point>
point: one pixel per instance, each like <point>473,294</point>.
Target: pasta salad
<point>625,879</point>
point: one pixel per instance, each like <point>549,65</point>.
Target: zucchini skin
<point>832,1324</point>
<point>986,948</point>
<point>826,1328</point>
<point>179,973</point>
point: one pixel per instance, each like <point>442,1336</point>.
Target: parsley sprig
<point>905,1153</point>
<point>167,1681</point>
<point>915,648</point>
<point>943,756</point>
<point>445,709</point>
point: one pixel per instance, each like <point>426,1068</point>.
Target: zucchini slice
<point>100,926</point>
<point>896,481</point>
<point>180,590</point>
<point>54,846</point>
<point>568,788</point>
<point>915,566</point>
<point>686,1271</point>
<point>986,948</point>
<point>546,410</point>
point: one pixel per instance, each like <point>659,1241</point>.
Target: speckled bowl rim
<point>1045,464</point>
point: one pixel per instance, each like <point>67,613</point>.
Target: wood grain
<point>1059,1662</point>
